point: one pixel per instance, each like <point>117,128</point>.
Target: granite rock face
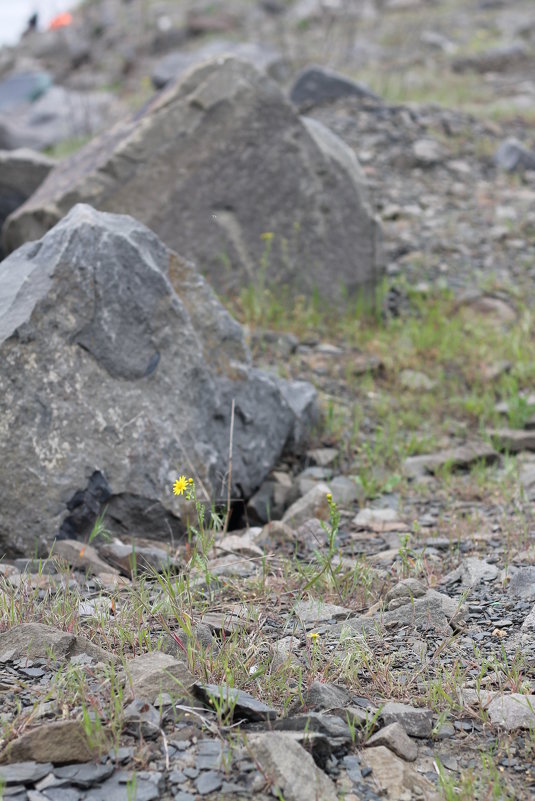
<point>112,383</point>
<point>224,170</point>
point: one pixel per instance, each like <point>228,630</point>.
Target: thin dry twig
<point>229,481</point>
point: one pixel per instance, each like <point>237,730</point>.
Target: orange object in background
<point>61,21</point>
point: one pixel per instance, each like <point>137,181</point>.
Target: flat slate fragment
<point>245,705</point>
<point>27,772</point>
<point>462,457</point>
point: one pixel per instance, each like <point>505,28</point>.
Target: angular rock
<point>21,172</point>
<point>139,558</point>
<point>394,778</point>
<point>317,745</point>
<point>462,457</point>
<point>395,738</point>
<point>319,612</point>
<point>141,719</point>
<point>60,741</point>
<point>270,196</point>
<point>513,156</point>
<point>291,768</point>
<point>154,673</point>
<point>427,152</point>
<point>522,583</point>
<point>316,85</point>
<point>510,711</point>
<point>495,59</point>
<point>344,490</point>
<point>471,572</point>
<point>415,721</point>
<point>379,520</point>
<point>243,704</point>
<point>119,787</point>
<point>84,775</point>
<point>492,307</point>
<point>24,772</point>
<point>262,56</point>
<point>527,629</point>
<point>58,115</point>
<point>312,505</point>
<point>39,641</point>
<point>415,380</point>
<point>332,726</point>
<point>82,556</point>
<point>404,592</point>
<point>511,440</point>
<point>21,88</point>
<point>208,782</point>
<point>323,457</point>
<point>94,300</point>
<point>434,611</point>
<point>325,696</point>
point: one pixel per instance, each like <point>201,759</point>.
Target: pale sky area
<point>14,15</point>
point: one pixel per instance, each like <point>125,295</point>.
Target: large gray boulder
<point>264,57</point>
<point>21,172</point>
<point>213,163</point>
<point>58,115</point>
<point>118,367</point>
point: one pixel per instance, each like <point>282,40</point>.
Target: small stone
<point>379,520</point>
<point>395,778</point>
<point>208,782</point>
<point>62,794</point>
<point>142,719</point>
<point>82,556</point>
<point>396,739</point>
<point>405,590</point>
<point>325,696</point>
<point>513,156</point>
<point>60,741</point>
<point>291,769</point>
<point>243,704</point>
<point>314,612</point>
<point>323,457</point>
<point>144,558</point>
<point>510,711</point>
<point>427,152</point>
<point>120,787</point>
<point>39,641</point>
<point>462,457</point>
<point>333,727</point>
<point>85,775</point>
<point>312,505</point>
<point>154,673</point>
<point>317,85</point>
<point>27,772</point>
<point>522,583</point>
<point>344,490</point>
<point>511,440</point>
<point>472,572</point>
<point>444,731</point>
<point>416,381</point>
<point>415,721</point>
<point>32,672</point>
<point>177,777</point>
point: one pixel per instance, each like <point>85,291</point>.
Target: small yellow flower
<point>314,635</point>
<point>267,236</point>
<point>190,481</point>
<point>329,497</point>
<point>180,485</point>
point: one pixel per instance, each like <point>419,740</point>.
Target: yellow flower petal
<point>180,485</point>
